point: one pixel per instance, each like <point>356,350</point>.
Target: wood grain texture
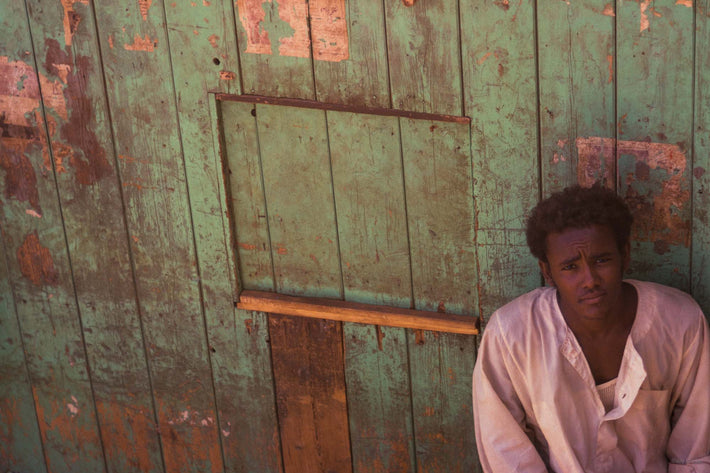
<point>362,79</point>
<point>501,97</point>
<point>243,390</point>
<point>135,50</point>
<point>20,442</point>
<point>424,56</point>
<point>655,67</point>
<point>306,354</point>
<point>577,92</point>
<point>90,196</point>
<point>330,309</point>
<point>440,218</point>
<point>700,267</point>
<point>39,269</point>
<point>275,48</point>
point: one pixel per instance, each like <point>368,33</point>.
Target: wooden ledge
<point>331,309</point>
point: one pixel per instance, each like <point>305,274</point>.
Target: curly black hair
<point>577,207</point>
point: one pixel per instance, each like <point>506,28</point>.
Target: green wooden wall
<point>136,202</point>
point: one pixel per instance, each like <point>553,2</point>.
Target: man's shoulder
<point>526,310</point>
<point>669,304</point>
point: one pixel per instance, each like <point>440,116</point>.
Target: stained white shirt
<point>537,408</point>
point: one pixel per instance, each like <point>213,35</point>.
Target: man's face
<point>587,268</point>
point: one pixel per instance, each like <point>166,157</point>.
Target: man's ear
<point>545,268</point>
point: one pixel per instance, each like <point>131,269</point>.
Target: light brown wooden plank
<point>321,308</point>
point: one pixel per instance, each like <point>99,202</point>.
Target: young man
<point>592,373</point>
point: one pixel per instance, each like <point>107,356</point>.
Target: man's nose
<point>590,275</point>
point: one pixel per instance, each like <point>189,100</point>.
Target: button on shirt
<point>537,408</point>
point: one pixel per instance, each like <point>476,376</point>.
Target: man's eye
<point>569,267</point>
<point>603,260</point>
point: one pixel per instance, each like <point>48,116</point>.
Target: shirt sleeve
<point>504,444</point>
<point>689,443</point>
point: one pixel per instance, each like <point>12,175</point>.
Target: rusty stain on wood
<point>329,30</point>
<point>144,6</point>
<point>326,18</point>
<point>141,44</point>
<point>79,141</point>
<point>658,213</point>
<point>36,261</point>
<point>71,19</point>
<point>128,429</point>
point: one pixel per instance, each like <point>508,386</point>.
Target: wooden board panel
<point>238,341</point>
<point>39,270</point>
<point>440,217</point>
<point>700,262</point>
<point>20,442</point>
<point>142,100</point>
<point>275,48</point>
<point>372,230</point>
<point>577,97</point>
<point>655,74</point>
<point>92,211</point>
<point>501,98</point>
<point>361,79</point>
<point>307,354</point>
<point>424,56</point>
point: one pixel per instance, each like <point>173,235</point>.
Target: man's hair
<point>577,207</point>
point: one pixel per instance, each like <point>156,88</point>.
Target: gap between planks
<point>330,309</point>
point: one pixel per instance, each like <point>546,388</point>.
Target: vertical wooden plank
<point>249,217</point>
<point>439,189</point>
<point>577,103</point>
<point>424,56</point>
<point>372,230</point>
<point>501,98</point>
<point>655,75</point>
<point>90,198</point>
<point>39,268</point>
<point>20,442</point>
<point>275,48</point>
<point>307,354</point>
<point>239,352</point>
<point>361,78</point>
<point>700,266</point>
<point>254,262</point>
<point>142,100</point>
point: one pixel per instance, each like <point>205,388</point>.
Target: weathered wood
<point>329,309</point>
<point>39,269</point>
<point>20,442</point>
<point>424,56</point>
<point>576,64</point>
<point>700,257</point>
<point>501,97</point>
<point>374,249</point>
<point>655,67</point>
<point>337,107</point>
<point>90,198</point>
<point>152,172</point>
<point>374,253</point>
<point>275,48</point>
<point>301,215</point>
<point>440,217</point>
<point>239,352</point>
<point>362,78</point>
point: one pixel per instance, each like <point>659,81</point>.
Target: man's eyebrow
<point>570,260</point>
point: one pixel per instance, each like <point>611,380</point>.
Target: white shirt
<point>536,406</point>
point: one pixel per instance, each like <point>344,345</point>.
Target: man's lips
<point>592,298</point>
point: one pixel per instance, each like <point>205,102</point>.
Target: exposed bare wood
<point>320,308</point>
